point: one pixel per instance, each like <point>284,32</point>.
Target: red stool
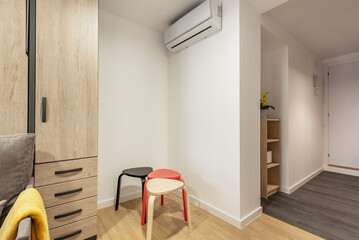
<point>167,174</point>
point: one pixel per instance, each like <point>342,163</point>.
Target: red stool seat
<point>164,173</point>
<point>167,174</point>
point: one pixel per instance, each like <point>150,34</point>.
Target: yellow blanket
<point>28,204</point>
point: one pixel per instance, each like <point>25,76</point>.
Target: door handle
<point>44,103</point>
<point>27,27</point>
<point>68,192</point>
<point>68,214</point>
<point>68,171</point>
<point>69,235</point>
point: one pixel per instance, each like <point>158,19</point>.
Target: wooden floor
<point>169,224</point>
<point>327,206</point>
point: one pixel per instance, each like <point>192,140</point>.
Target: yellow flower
<point>265,99</point>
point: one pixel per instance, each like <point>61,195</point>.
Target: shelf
<point>272,165</point>
<point>270,141</point>
<point>271,189</point>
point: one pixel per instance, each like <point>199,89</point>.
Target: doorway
<point>343,83</point>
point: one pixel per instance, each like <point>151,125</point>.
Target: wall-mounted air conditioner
<point>201,22</point>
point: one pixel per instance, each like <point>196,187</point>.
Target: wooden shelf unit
<point>270,172</point>
<point>271,189</point>
<point>271,165</point>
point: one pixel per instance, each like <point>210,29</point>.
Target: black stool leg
<point>118,191</point>
<point>143,180</point>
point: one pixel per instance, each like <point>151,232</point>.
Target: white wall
<point>305,109</point>
<point>274,75</point>
<point>204,117</point>
<point>274,78</point>
<point>250,55</point>
<point>133,104</point>
<point>213,105</point>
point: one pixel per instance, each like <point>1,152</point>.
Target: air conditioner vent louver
<point>196,25</point>
<point>178,44</point>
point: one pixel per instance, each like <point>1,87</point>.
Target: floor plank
<point>169,224</point>
<point>327,206</point>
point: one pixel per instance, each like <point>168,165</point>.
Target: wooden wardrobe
<point>13,67</point>
<point>59,103</point>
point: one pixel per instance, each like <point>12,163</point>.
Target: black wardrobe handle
<point>68,214</point>
<point>69,235</point>
<point>27,27</point>
<point>68,171</point>
<point>68,192</point>
<point>44,103</point>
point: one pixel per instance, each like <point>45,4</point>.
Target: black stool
<point>140,172</point>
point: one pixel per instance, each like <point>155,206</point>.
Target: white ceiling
<point>328,27</point>
<point>154,14</point>
<point>265,5</point>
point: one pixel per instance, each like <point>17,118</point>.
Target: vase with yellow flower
<point>264,105</point>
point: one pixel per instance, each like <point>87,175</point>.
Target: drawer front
<point>71,212</point>
<point>59,172</point>
<point>61,193</point>
<point>76,231</point>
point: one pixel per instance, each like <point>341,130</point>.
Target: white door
<point>344,115</point>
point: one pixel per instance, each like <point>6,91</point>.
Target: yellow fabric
<point>28,204</point>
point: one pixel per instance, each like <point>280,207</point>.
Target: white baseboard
<point>300,183</point>
<point>342,171</point>
<point>124,198</point>
<point>239,223</point>
<point>251,217</point>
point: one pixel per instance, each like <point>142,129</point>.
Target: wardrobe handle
<point>68,214</point>
<point>68,171</point>
<point>69,235</point>
<point>68,192</point>
<point>44,103</point>
<point>27,27</point>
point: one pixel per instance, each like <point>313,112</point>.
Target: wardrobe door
<point>13,67</point>
<point>66,79</point>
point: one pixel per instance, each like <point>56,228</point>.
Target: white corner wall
<point>214,116</point>
<point>196,111</point>
<point>305,126</point>
<point>133,104</point>
<point>204,118</point>
<point>250,79</point>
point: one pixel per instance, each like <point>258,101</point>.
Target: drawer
<point>76,231</point>
<point>58,172</point>
<point>71,212</point>
<point>61,193</point>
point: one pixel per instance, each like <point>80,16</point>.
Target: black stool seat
<point>139,172</point>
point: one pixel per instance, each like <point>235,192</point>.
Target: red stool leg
<point>184,201</point>
<point>144,202</point>
<point>162,199</point>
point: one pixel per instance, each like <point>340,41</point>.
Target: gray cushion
<point>2,205</point>
<point>16,165</point>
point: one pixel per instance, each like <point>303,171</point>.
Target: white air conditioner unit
<point>201,22</point>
